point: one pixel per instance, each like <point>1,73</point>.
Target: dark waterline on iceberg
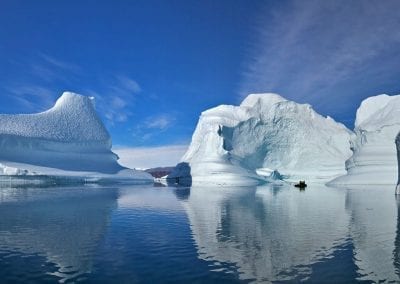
<point>156,234</point>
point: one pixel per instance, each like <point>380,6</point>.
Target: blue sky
<point>153,66</point>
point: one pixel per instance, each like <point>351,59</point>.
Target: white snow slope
<point>231,144</point>
<point>374,159</point>
<point>68,140</point>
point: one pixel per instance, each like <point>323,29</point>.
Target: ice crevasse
<point>67,141</point>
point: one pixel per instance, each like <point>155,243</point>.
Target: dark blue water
<point>146,234</point>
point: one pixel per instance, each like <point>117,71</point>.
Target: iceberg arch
<point>243,145</point>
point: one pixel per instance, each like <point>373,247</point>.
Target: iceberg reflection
<point>268,232</point>
<point>373,231</point>
<point>278,233</point>
<point>64,225</point>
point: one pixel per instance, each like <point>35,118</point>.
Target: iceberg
<point>67,142</point>
<point>265,138</point>
<point>374,159</point>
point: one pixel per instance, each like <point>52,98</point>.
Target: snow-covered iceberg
<point>66,142</point>
<point>266,136</point>
<point>374,159</point>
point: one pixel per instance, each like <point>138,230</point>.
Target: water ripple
<point>144,234</point>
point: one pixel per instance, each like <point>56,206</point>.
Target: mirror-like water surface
<point>152,234</point>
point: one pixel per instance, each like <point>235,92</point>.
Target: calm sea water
<point>149,234</point>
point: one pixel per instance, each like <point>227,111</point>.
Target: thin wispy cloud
<point>160,122</point>
<point>305,48</point>
<point>129,84</point>
<point>60,64</point>
<point>51,69</point>
<point>32,98</point>
<point>152,126</point>
<point>37,88</point>
<point>115,95</point>
<point>117,98</point>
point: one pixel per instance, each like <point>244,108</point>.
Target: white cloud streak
<point>49,68</point>
<point>117,99</point>
<point>129,84</point>
<point>161,122</point>
<point>37,91</point>
<point>32,98</point>
<point>310,46</point>
<point>54,62</point>
<point>152,126</point>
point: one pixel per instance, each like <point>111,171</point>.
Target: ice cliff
<point>374,159</point>
<point>266,136</point>
<point>68,140</point>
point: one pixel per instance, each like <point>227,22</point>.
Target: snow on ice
<point>265,138</point>
<point>67,141</point>
<point>374,159</point>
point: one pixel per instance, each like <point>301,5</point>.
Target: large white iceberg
<point>67,141</point>
<point>266,135</point>
<point>374,159</point>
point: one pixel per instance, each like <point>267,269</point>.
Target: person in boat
<point>301,184</point>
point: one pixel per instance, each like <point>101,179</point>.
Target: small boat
<point>301,184</point>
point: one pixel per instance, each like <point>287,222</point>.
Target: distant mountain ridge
<point>160,172</point>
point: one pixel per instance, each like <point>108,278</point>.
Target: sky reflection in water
<point>165,234</point>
